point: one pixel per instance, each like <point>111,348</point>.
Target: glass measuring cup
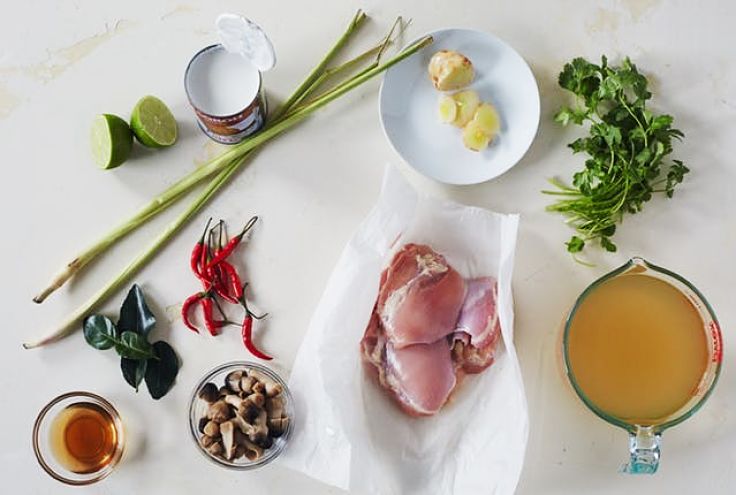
<point>644,439</point>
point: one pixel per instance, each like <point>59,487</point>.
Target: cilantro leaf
<point>627,150</point>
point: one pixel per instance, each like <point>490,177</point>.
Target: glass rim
<point>288,406</point>
<point>715,366</point>
<point>117,421</point>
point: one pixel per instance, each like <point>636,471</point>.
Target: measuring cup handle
<point>643,451</point>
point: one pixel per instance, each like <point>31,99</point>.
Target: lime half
<point>153,123</point>
<point>111,140</point>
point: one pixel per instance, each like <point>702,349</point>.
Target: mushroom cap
<point>232,380</point>
<point>253,452</point>
<point>209,393</point>
<point>215,449</point>
<point>219,411</point>
<point>259,387</point>
<point>234,400</point>
<point>212,429</point>
<point>257,398</point>
<point>246,384</point>
<point>273,389</point>
<point>206,441</point>
<point>248,411</point>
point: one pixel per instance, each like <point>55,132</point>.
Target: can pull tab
<point>245,37</point>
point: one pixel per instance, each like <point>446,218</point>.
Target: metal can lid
<point>240,35</point>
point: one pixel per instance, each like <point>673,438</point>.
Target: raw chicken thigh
<point>420,297</point>
<point>428,328</point>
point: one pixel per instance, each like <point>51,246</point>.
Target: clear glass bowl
<point>197,408</point>
<point>42,438</point>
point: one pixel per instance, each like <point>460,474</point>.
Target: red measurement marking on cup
<point>715,334</point>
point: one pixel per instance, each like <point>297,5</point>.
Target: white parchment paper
<point>348,432</point>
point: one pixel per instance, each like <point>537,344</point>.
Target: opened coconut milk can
<point>223,81</point>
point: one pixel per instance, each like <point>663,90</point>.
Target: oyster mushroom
<point>245,427</point>
<point>219,411</point>
<point>275,407</point>
<point>257,399</point>
<point>252,451</point>
<point>232,380</point>
<point>243,417</point>
<point>248,411</point>
<point>227,430</point>
<point>212,429</point>
<point>258,387</point>
<point>246,384</point>
<point>206,441</point>
<point>273,389</point>
<point>234,400</point>
<point>260,427</point>
<point>209,393</point>
<point>277,427</point>
<point>215,449</point>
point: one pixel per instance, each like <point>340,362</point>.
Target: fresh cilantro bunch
<point>627,149</point>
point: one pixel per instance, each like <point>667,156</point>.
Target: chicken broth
<point>83,438</point>
<point>637,348</point>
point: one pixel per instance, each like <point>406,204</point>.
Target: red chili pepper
<point>218,281</point>
<point>196,256</point>
<point>232,243</point>
<point>248,339</point>
<point>235,285</point>
<point>209,320</point>
<point>190,301</point>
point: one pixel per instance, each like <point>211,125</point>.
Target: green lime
<point>153,123</point>
<point>111,141</point>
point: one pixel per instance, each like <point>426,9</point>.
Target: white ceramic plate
<point>408,107</point>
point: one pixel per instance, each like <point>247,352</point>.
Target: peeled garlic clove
<point>467,102</point>
<point>487,119</point>
<point>450,70</point>
<point>474,138</point>
<point>447,109</point>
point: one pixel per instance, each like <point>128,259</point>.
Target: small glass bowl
<point>42,438</point>
<point>197,408</point>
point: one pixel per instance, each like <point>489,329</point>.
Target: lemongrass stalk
<point>122,278</point>
<point>178,189</point>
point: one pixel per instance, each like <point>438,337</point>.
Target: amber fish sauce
<point>83,438</point>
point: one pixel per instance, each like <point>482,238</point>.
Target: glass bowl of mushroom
<point>241,415</point>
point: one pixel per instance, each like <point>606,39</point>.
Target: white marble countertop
<point>61,63</point>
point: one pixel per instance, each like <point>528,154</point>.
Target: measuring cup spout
<point>643,451</point>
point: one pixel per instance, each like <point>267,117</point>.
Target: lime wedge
<point>111,141</point>
<point>153,123</point>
